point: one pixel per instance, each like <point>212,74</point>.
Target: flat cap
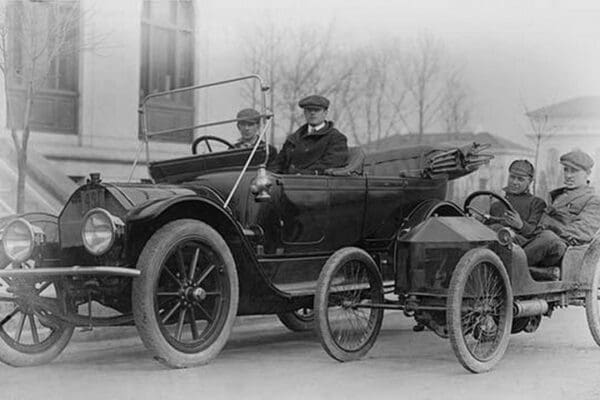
<point>314,101</point>
<point>578,159</point>
<point>248,114</point>
<point>522,168</point>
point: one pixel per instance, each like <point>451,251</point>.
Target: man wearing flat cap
<point>248,124</point>
<point>573,217</point>
<point>316,145</point>
<point>529,208</point>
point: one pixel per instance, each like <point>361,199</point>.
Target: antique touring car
<point>216,235</point>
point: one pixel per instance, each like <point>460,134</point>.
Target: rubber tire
<point>453,314</point>
<point>592,308</point>
<point>296,323</point>
<point>149,263</point>
<point>16,358</point>
<point>321,305</point>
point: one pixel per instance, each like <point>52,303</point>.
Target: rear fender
<point>427,209</point>
<point>589,263</point>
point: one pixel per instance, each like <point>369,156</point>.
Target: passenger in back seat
<point>573,216</point>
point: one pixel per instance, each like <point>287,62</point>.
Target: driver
<point>248,125</point>
<point>573,218</point>
<point>529,208</point>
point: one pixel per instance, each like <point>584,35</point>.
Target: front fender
<point>155,207</point>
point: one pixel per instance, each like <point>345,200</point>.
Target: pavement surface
<point>263,360</point>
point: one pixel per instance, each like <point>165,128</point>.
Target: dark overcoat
<point>304,153</point>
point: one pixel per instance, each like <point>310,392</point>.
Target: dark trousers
<point>545,250</point>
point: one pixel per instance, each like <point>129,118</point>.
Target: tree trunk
<point>22,151</point>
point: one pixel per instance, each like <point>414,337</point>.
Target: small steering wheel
<point>207,139</point>
<point>472,210</point>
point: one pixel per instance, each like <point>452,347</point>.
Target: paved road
<point>265,361</point>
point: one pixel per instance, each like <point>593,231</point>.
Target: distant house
<point>489,177</point>
<point>564,126</point>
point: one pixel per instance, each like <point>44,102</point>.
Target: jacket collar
<point>570,194</point>
<point>525,193</point>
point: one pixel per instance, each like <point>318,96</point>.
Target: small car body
<point>458,278</point>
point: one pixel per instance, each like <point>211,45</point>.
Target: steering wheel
<point>472,210</point>
<point>207,139</point>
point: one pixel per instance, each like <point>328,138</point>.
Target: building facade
<point>85,117</point>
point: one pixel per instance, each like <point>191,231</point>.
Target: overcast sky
<point>515,53</point>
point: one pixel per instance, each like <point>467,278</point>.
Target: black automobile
<point>212,236</point>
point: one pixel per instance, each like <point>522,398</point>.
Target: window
<point>49,34</point>
<point>167,62</point>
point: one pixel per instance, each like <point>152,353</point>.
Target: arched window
<point>167,62</point>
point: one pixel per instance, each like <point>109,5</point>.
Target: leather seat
<point>354,166</point>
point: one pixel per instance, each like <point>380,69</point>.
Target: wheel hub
<point>194,294</point>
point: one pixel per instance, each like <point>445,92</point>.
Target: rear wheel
<point>479,311</point>
<point>30,333</point>
<point>348,283</point>
<point>300,320</point>
<point>592,305</point>
<point>186,299</point>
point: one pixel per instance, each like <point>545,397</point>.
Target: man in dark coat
<point>315,146</point>
<point>529,208</point>
<point>573,218</point>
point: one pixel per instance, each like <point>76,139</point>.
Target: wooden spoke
<point>180,323</point>
<point>205,274</point>
<point>34,332</point>
<point>194,264</point>
<point>171,312</point>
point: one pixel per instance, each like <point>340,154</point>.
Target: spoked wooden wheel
<point>30,334</point>
<point>592,304</point>
<point>348,284</point>
<point>186,299</point>
<point>300,320</point>
<point>479,311</point>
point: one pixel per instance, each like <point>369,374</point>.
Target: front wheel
<point>479,310</point>
<point>186,299</point>
<point>592,305</point>
<point>30,332</point>
<point>345,323</point>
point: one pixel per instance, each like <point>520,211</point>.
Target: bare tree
<point>454,107</point>
<point>374,99</point>
<point>422,70</point>
<point>296,63</point>
<point>542,129</point>
<point>33,37</point>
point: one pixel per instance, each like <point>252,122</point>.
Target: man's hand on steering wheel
<point>513,219</point>
<point>474,211</point>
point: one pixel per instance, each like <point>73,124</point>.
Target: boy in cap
<point>316,145</point>
<point>529,208</point>
<point>248,125</point>
<point>573,217</point>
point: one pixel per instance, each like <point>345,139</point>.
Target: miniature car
<point>213,236</point>
<point>457,277</point>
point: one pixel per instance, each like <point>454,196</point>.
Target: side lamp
<point>261,185</point>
